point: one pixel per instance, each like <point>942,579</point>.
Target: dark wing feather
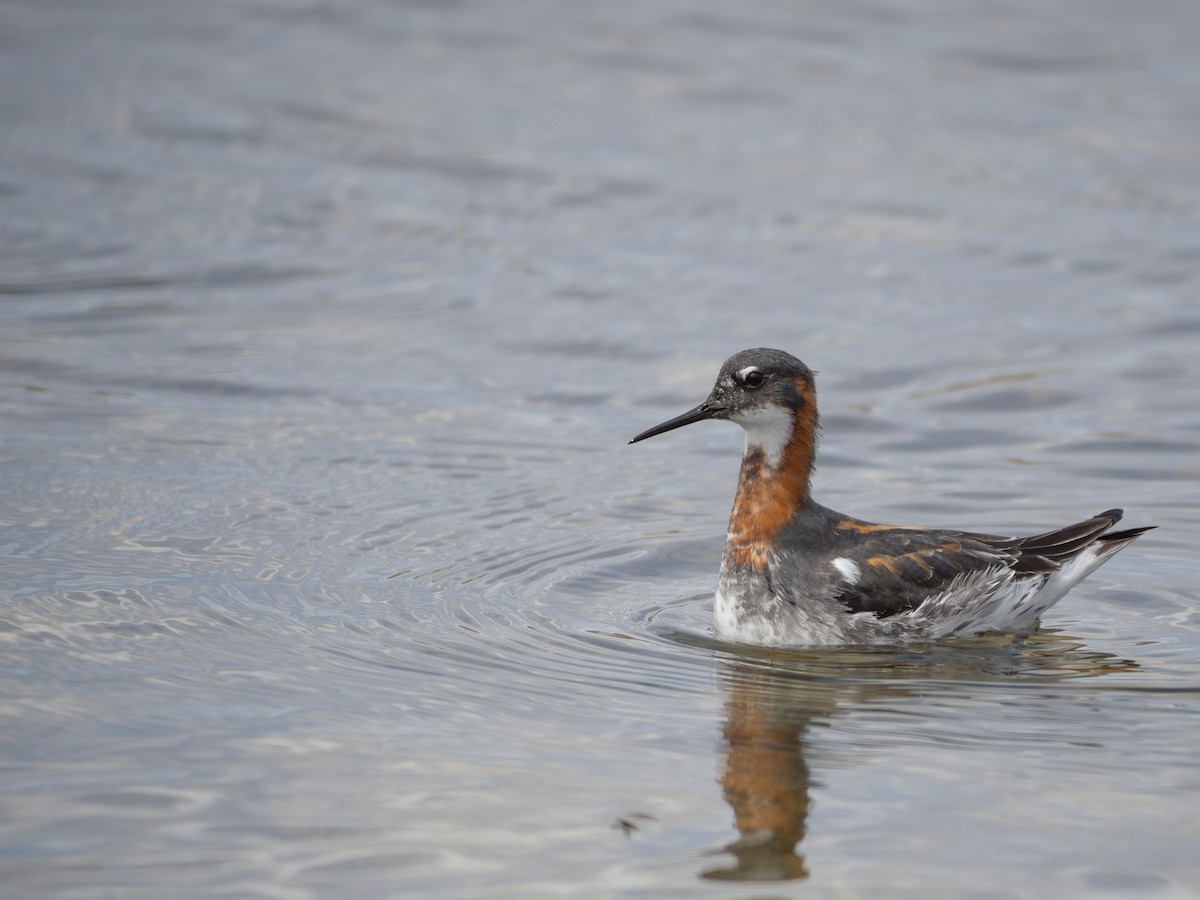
<point>906,567</point>
<point>901,568</point>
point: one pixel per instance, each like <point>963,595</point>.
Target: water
<point>327,571</point>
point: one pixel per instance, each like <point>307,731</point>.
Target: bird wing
<point>898,569</point>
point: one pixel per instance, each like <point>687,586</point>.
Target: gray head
<point>762,390</point>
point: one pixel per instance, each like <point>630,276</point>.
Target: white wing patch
<point>849,569</point>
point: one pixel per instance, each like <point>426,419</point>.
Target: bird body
<point>797,573</point>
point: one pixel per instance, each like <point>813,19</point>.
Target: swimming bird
<point>795,573</point>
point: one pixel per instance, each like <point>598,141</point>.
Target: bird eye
<point>752,377</point>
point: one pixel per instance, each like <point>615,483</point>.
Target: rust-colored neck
<point>769,496</point>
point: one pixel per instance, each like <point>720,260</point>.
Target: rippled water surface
<point>327,571</point>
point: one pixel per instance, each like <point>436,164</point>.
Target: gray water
<point>327,571</point>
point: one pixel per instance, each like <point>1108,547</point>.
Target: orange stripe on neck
<point>768,498</point>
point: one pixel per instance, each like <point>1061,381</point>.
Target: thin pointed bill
<point>697,414</point>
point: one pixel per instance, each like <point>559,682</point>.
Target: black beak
<point>704,411</point>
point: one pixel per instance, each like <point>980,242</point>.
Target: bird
<point>796,573</point>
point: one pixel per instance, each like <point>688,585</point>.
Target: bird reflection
<point>774,698</point>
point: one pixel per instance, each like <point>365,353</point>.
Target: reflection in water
<point>774,697</point>
<point>766,777</point>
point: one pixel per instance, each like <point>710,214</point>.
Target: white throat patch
<point>769,428</point>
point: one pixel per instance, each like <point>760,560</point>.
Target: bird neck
<point>772,487</point>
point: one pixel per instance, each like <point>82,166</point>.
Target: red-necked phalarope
<point>796,573</point>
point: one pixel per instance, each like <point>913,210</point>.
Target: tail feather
<point>1048,551</point>
<point>1064,543</point>
<point>1113,541</point>
<point>1085,559</point>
